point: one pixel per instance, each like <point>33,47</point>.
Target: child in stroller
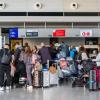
<point>68,68</point>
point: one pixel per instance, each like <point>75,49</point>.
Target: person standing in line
<point>44,54</point>
<point>73,52</point>
<point>35,57</point>
<point>64,49</point>
<point>5,69</point>
<point>83,53</point>
<point>53,52</point>
<point>98,58</point>
<point>27,58</point>
<point>17,52</point>
<point>26,45</point>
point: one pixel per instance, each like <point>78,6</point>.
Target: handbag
<point>38,66</point>
<point>13,70</point>
<point>6,58</point>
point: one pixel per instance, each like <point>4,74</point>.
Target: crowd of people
<point>20,63</point>
<point>24,59</point>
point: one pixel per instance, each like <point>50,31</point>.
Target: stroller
<point>68,68</point>
<point>84,68</point>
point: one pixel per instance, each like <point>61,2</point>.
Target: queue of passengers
<point>23,60</point>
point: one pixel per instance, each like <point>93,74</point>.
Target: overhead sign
<point>13,33</point>
<point>31,33</point>
<point>86,33</point>
<point>59,33</point>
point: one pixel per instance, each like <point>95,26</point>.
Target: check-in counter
<point>92,50</point>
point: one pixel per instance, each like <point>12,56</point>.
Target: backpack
<point>79,56</point>
<point>17,54</point>
<point>6,57</point>
<point>75,54</point>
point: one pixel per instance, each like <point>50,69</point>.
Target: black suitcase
<point>92,80</point>
<point>37,79</point>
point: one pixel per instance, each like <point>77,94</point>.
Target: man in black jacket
<point>20,66</point>
<point>45,54</point>
<point>5,69</point>
<point>15,80</point>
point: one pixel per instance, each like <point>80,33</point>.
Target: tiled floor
<point>64,92</point>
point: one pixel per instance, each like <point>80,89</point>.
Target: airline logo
<point>86,33</point>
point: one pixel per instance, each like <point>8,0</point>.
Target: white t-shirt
<point>98,59</point>
<point>84,56</point>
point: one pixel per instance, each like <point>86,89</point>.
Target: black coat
<point>17,54</point>
<point>7,52</point>
<point>45,55</point>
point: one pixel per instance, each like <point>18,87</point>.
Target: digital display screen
<point>13,33</point>
<point>30,34</point>
<point>59,33</point>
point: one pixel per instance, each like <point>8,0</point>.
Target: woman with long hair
<point>83,53</point>
<point>35,57</point>
<point>28,63</point>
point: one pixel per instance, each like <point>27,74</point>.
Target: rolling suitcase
<point>97,76</point>
<point>54,79</point>
<point>99,80</point>
<point>37,78</point>
<point>53,74</point>
<point>45,75</point>
<point>92,80</point>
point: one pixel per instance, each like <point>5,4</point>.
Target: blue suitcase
<point>92,80</point>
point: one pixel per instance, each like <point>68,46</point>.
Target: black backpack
<point>79,56</point>
<point>17,54</point>
<point>6,57</point>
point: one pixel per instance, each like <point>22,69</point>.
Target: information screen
<point>13,33</point>
<point>59,33</point>
<point>31,34</point>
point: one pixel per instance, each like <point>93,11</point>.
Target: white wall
<point>83,5</point>
<point>43,32</point>
<point>52,5</point>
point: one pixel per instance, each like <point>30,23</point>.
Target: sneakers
<point>5,88</point>
<point>30,88</point>
<point>1,88</point>
<point>8,88</point>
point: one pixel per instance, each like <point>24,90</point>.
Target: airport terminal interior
<point>55,93</point>
<point>59,26</point>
